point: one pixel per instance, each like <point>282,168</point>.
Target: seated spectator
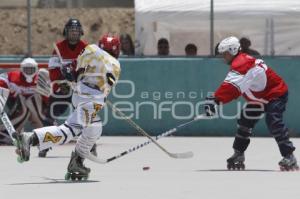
<point>163,47</point>
<point>245,47</point>
<point>191,50</point>
<point>127,47</point>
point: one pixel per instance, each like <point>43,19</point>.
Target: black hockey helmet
<point>73,30</point>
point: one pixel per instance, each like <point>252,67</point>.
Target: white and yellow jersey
<point>96,64</point>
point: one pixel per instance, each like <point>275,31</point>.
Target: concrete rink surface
<point>203,176</point>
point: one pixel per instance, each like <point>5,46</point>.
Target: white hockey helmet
<point>230,44</point>
<point>29,68</point>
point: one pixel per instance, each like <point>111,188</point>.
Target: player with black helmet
<point>69,49</point>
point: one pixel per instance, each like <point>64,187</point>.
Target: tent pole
<point>272,36</point>
<point>211,27</point>
<point>29,53</point>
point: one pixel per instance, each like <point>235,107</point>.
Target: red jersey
<point>15,81</point>
<point>251,78</point>
<point>67,54</point>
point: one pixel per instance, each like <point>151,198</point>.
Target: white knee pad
<point>84,114</point>
<point>88,138</point>
<point>55,135</point>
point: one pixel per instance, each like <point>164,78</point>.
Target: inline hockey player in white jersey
<point>97,71</point>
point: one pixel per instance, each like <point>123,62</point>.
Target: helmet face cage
<point>73,31</point>
<point>29,69</point>
<point>73,34</point>
<point>110,44</point>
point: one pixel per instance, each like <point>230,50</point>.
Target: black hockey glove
<point>64,89</point>
<point>111,80</point>
<point>210,106</point>
<point>68,72</point>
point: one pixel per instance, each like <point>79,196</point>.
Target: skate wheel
<point>241,167</point>
<point>79,178</point>
<point>229,167</point>
<point>73,177</point>
<point>283,169</point>
<point>19,159</point>
<point>85,178</point>
<point>67,176</point>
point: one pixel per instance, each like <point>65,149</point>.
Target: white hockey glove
<point>4,93</point>
<point>54,62</point>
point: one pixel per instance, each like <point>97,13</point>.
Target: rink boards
<point>161,93</point>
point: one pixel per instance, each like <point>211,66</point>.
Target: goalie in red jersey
<point>26,98</point>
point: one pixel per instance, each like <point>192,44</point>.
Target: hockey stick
<point>135,148</point>
<point>58,53</point>
<point>188,154</point>
<point>15,137</point>
<point>71,84</point>
<point>8,125</point>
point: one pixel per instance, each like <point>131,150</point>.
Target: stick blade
<point>185,155</point>
<point>95,159</point>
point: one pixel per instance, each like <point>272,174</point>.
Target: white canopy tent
<point>273,26</point>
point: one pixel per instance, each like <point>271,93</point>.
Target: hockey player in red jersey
<point>28,97</point>
<point>265,92</point>
<point>69,49</point>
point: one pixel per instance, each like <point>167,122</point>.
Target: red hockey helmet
<point>110,44</point>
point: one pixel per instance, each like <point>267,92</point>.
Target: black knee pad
<point>241,144</point>
<point>242,139</point>
<point>243,131</point>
